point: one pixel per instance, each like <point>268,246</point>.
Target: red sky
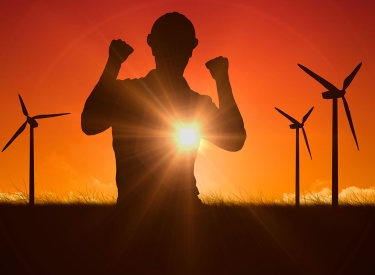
<point>53,52</point>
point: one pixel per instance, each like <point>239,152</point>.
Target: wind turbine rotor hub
<point>295,126</point>
<point>32,122</point>
<point>333,94</point>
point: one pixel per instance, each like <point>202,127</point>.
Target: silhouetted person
<point>144,113</point>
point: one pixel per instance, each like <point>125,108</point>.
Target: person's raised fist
<point>218,67</point>
<point>119,50</point>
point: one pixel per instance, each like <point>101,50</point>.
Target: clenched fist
<point>119,50</point>
<point>218,67</point>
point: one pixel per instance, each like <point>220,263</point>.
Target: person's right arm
<point>97,112</point>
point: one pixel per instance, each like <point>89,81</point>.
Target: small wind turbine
<point>296,125</point>
<point>33,124</point>
<point>334,93</point>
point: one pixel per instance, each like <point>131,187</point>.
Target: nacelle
<point>296,126</point>
<point>333,94</point>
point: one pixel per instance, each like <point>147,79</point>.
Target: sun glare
<point>188,136</point>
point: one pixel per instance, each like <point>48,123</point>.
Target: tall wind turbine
<point>296,125</point>
<point>33,124</point>
<point>334,93</point>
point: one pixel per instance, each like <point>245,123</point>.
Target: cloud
<point>73,183</point>
<point>59,162</point>
<point>355,195</point>
<point>320,182</point>
<point>321,197</point>
<point>92,184</point>
<point>351,195</point>
<point>91,190</point>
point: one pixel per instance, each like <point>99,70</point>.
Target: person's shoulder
<point>202,99</point>
<point>133,86</point>
<point>129,82</point>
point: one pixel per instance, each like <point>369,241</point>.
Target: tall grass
<point>79,198</point>
<point>349,197</point>
<point>93,197</point>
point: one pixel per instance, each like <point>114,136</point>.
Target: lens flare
<point>187,136</point>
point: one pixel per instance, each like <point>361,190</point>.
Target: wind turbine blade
<point>49,115</point>
<point>349,79</point>
<point>19,131</point>
<point>346,106</point>
<point>307,143</point>
<point>24,110</point>
<point>318,78</point>
<point>307,115</point>
<point>287,116</point>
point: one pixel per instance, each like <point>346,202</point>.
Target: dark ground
<point>55,239</point>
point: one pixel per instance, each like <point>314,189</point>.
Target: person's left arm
<point>225,128</point>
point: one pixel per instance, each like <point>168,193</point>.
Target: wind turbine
<point>33,124</point>
<point>296,125</point>
<point>334,93</point>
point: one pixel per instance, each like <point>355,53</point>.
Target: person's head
<point>172,37</point>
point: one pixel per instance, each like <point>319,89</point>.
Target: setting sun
<point>188,136</point>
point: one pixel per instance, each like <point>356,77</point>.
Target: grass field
<point>92,197</point>
<point>87,237</point>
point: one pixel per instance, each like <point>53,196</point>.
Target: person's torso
<point>143,137</point>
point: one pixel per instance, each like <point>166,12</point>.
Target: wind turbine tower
<point>297,125</point>
<point>335,93</point>
<point>33,124</point>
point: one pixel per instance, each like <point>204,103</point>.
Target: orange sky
<point>52,53</point>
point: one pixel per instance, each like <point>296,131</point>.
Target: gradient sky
<point>53,52</point>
